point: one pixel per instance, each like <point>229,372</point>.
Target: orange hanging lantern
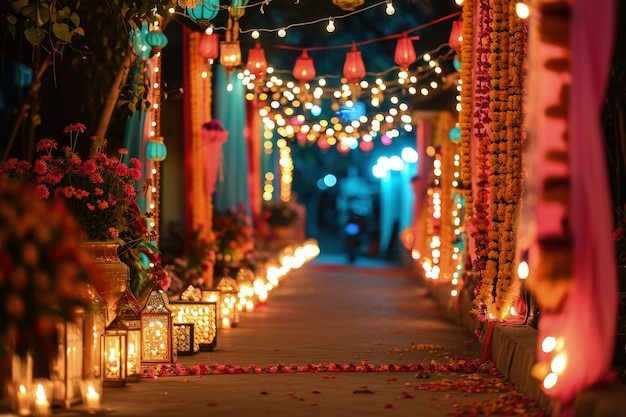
<point>354,68</point>
<point>230,54</point>
<point>304,70</point>
<point>209,47</point>
<point>456,35</point>
<point>405,52</point>
<point>257,64</point>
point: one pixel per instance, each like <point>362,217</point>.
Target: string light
<point>282,32</point>
<point>390,10</point>
<point>330,28</point>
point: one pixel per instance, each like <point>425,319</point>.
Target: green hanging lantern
<point>204,11</point>
<point>156,150</point>
<point>156,39</point>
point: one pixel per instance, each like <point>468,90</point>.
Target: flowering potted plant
<point>97,191</point>
<point>233,234</point>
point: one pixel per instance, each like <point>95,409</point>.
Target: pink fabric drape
<point>586,323</point>
<point>212,141</point>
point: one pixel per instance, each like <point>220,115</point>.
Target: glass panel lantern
<point>183,337</point>
<point>156,329</point>
<point>203,315</point>
<point>229,300</point>
<point>20,390</point>
<point>212,295</point>
<point>94,325</point>
<point>66,370</point>
<point>114,354</point>
<point>128,309</point>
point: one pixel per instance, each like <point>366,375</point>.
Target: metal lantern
<point>209,47</point>
<point>94,325</point>
<point>204,318</point>
<point>229,314</point>
<point>353,67</point>
<point>128,309</point>
<point>304,69</point>
<point>155,149</point>
<point>66,370</point>
<point>183,339</point>
<point>114,354</point>
<point>257,64</point>
<point>204,11</point>
<point>404,55</point>
<point>230,54</point>
<point>156,329</point>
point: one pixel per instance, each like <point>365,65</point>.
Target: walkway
<point>368,323</point>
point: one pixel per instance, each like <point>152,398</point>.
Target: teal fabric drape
<point>229,108</point>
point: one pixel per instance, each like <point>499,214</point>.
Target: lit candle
<point>112,365</point>
<point>42,405</point>
<point>23,405</point>
<point>226,323</point>
<point>92,399</point>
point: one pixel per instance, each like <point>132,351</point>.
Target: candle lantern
<point>183,339</point>
<point>353,67</point>
<point>256,64</point>
<point>128,309</point>
<point>66,371</point>
<point>114,354</point>
<point>229,313</point>
<point>203,316</point>
<point>91,392</point>
<point>20,389</point>
<point>209,47</point>
<point>42,395</point>
<point>156,329</point>
<point>212,295</point>
<point>94,324</point>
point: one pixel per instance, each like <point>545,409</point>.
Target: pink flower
<point>122,151</point>
<point>98,191</point>
<point>121,170</point>
<point>89,167</point>
<point>129,190</point>
<point>46,145</point>
<point>40,167</point>
<point>102,205</point>
<point>135,163</point>
<point>114,232</point>
<point>134,173</point>
<point>96,178</point>
<point>76,127</point>
<point>41,191</point>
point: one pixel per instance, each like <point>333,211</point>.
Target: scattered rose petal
<point>389,405</point>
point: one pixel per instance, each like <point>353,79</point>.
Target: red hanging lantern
<point>405,52</point>
<point>456,35</point>
<point>304,70</point>
<point>354,68</point>
<point>209,47</point>
<point>257,64</point>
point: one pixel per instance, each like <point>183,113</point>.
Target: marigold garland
<point>465,116</point>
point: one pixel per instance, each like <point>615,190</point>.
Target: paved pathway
<point>367,316</point>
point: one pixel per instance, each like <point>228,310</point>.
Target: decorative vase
<point>114,274</point>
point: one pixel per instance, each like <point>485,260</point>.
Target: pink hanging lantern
<point>405,52</point>
<point>353,67</point>
<point>456,35</point>
<point>209,47</point>
<point>257,64</point>
<point>304,69</point>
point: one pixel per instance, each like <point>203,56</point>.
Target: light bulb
<point>331,25</point>
<point>209,30</point>
<point>282,32</point>
<point>522,10</point>
<point>389,9</point>
<point>255,34</point>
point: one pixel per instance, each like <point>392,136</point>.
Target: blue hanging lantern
<point>204,12</point>
<point>457,62</point>
<point>156,150</point>
<point>455,134</point>
<point>156,39</point>
<point>138,40</point>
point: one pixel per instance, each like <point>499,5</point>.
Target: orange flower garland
<point>465,116</point>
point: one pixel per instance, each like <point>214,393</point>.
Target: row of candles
<point>153,334</point>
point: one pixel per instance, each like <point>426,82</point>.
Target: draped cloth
<point>584,323</point>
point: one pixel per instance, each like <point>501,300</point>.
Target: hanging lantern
<point>348,5</point>
<point>209,47</point>
<point>155,149</point>
<point>137,39</point>
<point>353,67</point>
<point>304,69</point>
<point>257,64</point>
<point>230,54</point>
<point>156,329</point>
<point>456,35</point>
<point>114,354</point>
<point>204,11</point>
<point>405,52</point>
<point>156,39</point>
<point>127,309</point>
